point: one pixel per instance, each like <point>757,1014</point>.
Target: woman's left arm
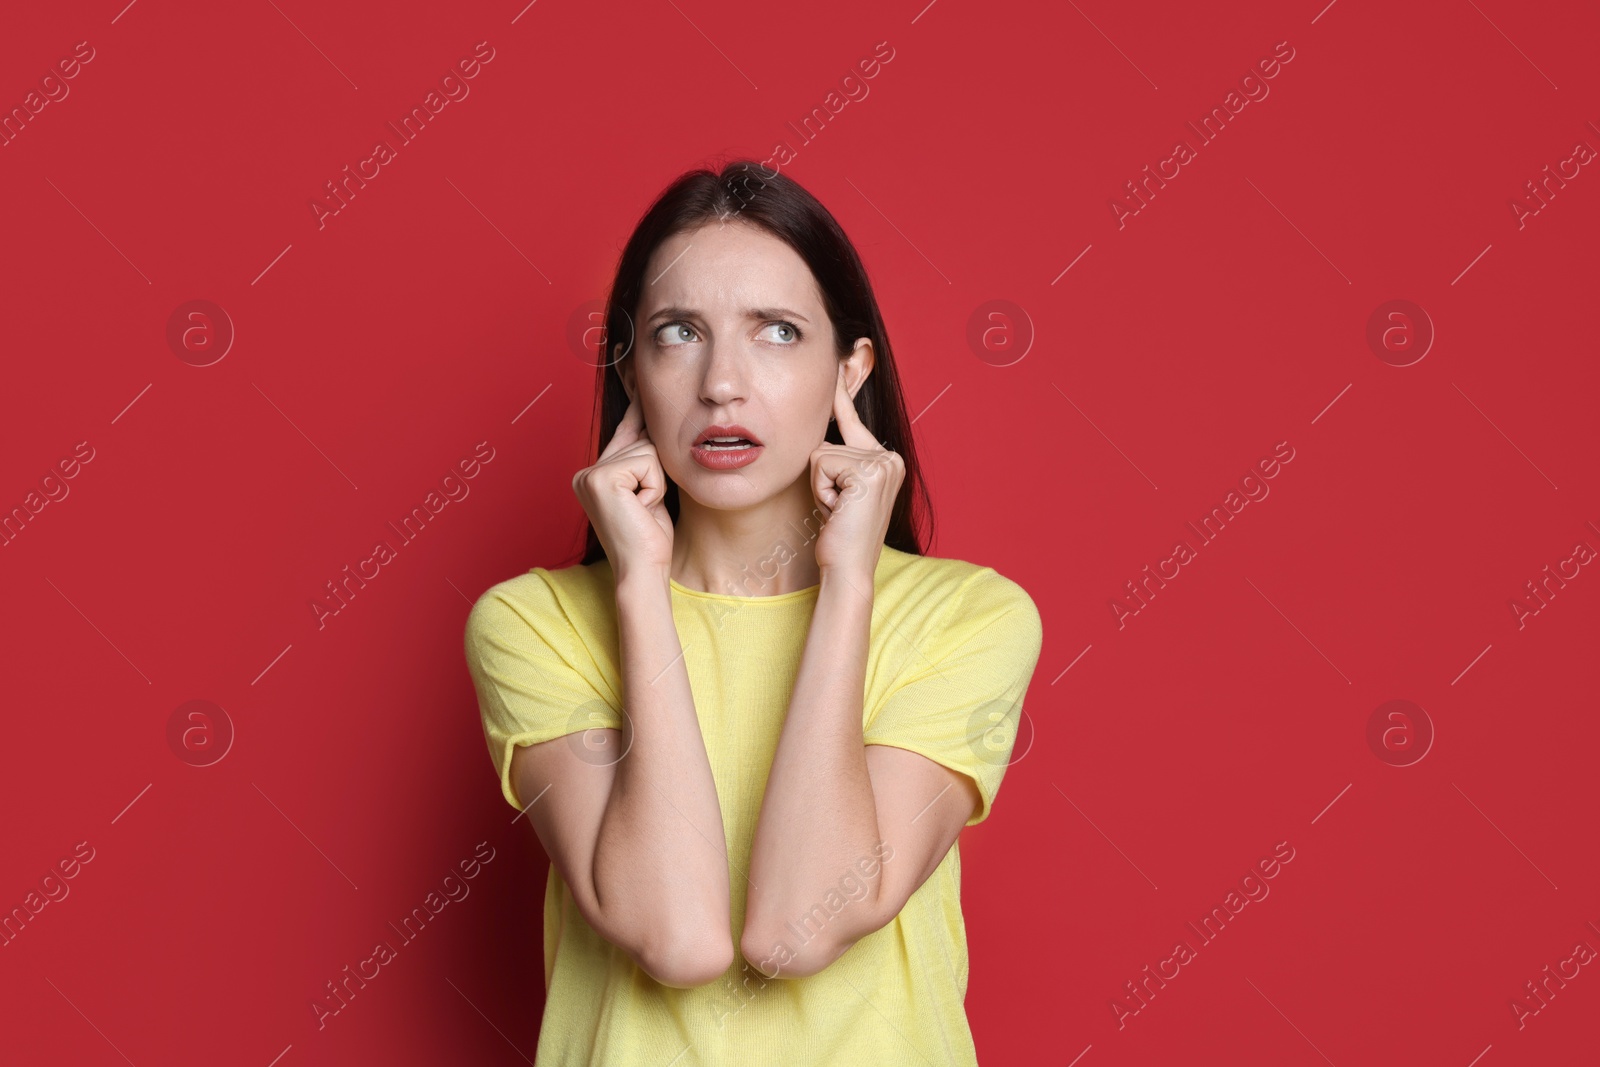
<point>842,821</point>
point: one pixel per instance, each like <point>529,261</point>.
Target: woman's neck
<point>759,551</point>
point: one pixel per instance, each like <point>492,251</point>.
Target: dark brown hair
<point>781,207</point>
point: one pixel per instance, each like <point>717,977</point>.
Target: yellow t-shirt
<point>952,648</point>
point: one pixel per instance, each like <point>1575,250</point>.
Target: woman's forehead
<point>729,270</point>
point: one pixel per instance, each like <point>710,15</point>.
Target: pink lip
<point>725,459</point>
<point>726,431</point>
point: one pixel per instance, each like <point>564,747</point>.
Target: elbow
<point>777,953</point>
<point>686,960</point>
<point>777,957</point>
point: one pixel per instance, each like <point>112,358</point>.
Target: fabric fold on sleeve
<point>531,688</point>
<point>963,708</point>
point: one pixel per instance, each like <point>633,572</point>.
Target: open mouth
<point>725,448</point>
<point>726,444</point>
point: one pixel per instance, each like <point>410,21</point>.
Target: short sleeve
<point>533,678</point>
<point>963,708</point>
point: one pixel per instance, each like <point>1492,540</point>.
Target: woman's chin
<point>724,490</point>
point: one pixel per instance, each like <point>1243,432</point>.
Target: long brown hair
<point>781,207</point>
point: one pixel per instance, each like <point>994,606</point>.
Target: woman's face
<point>731,332</point>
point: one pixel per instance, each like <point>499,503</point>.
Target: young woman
<point>749,726</point>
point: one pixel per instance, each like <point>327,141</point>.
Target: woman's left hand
<point>856,484</point>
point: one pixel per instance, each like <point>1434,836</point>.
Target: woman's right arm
<point>639,839</point>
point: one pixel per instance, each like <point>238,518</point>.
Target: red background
<point>1170,754</point>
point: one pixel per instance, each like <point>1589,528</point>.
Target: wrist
<point>856,578</point>
<point>647,581</point>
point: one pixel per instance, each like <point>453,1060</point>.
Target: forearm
<point>818,817</point>
<point>661,865</point>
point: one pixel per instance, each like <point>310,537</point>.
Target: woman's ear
<point>625,372</point>
<point>858,365</point>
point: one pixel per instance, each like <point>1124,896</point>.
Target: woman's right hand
<point>624,495</point>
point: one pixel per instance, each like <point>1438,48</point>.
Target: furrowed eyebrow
<point>776,313</point>
<point>678,312</point>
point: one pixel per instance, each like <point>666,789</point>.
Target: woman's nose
<point>725,371</point>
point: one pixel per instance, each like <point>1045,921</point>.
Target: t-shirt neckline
<point>776,598</point>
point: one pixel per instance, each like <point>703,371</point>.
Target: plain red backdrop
<point>1169,352</point>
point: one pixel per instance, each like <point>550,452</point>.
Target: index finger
<point>851,428</point>
<point>629,430</point>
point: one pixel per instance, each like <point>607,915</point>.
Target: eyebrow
<point>679,312</point>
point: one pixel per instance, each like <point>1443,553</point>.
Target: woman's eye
<point>788,333</point>
<point>672,334</point>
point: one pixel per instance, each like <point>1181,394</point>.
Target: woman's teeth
<point>724,444</point>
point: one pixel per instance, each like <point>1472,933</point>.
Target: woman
<point>750,725</point>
